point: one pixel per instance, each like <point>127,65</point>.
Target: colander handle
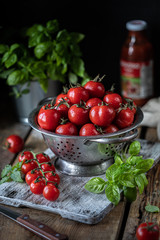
<point>113,139</point>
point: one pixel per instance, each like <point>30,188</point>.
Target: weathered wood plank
<point>137,212</point>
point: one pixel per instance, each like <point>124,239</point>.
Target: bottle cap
<point>136,25</point>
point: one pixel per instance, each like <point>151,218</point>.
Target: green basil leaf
<point>118,159</point>
<point>77,66</point>
<point>130,193</point>
<point>95,185</point>
<point>5,56</point>
<point>3,48</point>
<point>112,193</point>
<point>11,60</point>
<point>127,179</point>
<point>16,176</point>
<point>14,46</point>
<point>140,183</point>
<point>73,79</point>
<point>134,159</point>
<point>52,26</point>
<point>152,208</point>
<point>112,172</point>
<point>144,165</point>
<point>134,148</point>
<point>41,49</point>
<point>77,37</point>
<point>15,78</point>
<point>6,170</point>
<point>144,179</point>
<point>5,179</point>
<point>6,73</point>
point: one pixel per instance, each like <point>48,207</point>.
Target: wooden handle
<point>40,229</point>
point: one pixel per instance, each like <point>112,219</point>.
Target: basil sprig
<point>11,173</point>
<point>127,174</point>
<point>50,53</point>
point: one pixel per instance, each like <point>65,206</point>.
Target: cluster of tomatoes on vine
<point>40,174</point>
<point>87,110</point>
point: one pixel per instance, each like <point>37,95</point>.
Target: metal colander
<point>85,156</point>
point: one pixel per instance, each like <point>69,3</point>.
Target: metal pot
<point>27,102</point>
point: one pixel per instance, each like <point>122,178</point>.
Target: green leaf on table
<point>6,170</point>
<point>112,173</point>
<point>152,208</point>
<point>95,185</point>
<point>16,176</point>
<point>140,183</point>
<point>130,193</point>
<point>5,179</point>
<point>127,179</point>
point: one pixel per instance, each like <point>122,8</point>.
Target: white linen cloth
<point>151,111</point>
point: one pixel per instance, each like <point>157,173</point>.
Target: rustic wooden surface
<point>120,223</point>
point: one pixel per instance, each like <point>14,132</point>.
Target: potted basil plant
<point>51,59</point>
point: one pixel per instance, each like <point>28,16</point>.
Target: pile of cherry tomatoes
<point>40,174</point>
<point>88,110</point>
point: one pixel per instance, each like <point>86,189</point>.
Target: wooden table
<point>120,223</point>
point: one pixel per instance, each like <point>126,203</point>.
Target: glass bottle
<point>136,64</point>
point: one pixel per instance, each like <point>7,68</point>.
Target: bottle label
<point>137,79</point>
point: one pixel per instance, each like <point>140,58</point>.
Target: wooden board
<point>74,202</point>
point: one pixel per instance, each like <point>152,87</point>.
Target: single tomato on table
<point>14,143</point>
<point>148,231</point>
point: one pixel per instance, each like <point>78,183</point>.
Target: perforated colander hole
<point>77,156</point>
<point>77,148</point>
<point>67,142</point>
<point>72,144</point>
<point>79,153</point>
<point>57,147</point>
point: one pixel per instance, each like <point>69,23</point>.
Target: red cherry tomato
<point>37,187</point>
<point>95,89</point>
<point>102,115</point>
<point>14,143</point>
<point>26,167</point>
<point>67,129</point>
<point>52,177</point>
<point>77,94</point>
<point>42,158</point>
<point>78,115</point>
<point>26,155</point>
<point>47,167</point>
<point>111,129</point>
<point>93,102</point>
<point>131,104</point>
<point>114,99</point>
<point>32,175</point>
<point>61,97</point>
<point>50,192</point>
<point>124,118</point>
<point>48,118</point>
<point>147,231</point>
<point>63,109</point>
<point>88,130</point>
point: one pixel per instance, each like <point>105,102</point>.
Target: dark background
<point>103,24</point>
